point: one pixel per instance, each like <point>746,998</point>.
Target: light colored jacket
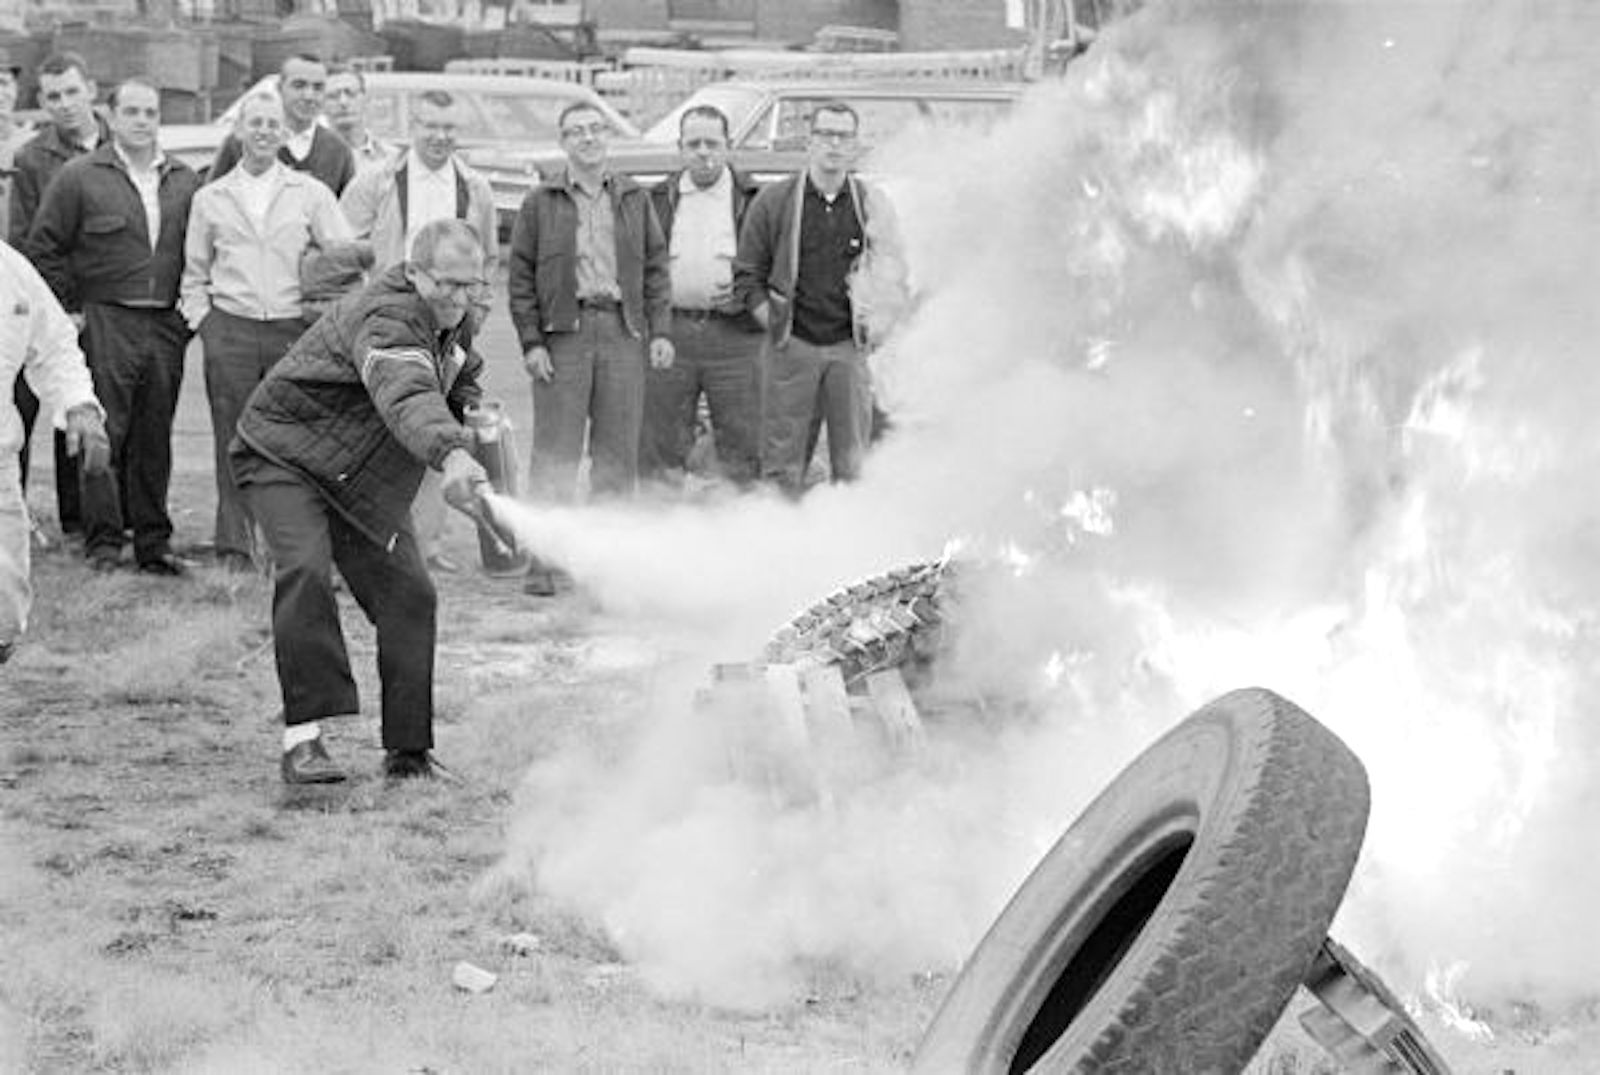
<point>374,204</point>
<point>251,270</point>
<point>36,337</point>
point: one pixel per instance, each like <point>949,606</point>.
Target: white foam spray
<point>1262,347</point>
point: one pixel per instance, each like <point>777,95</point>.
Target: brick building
<point>921,24</point>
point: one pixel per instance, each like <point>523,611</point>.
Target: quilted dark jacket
<point>368,397</point>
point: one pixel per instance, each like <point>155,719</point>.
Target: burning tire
<point>887,621</point>
<point>1171,924</point>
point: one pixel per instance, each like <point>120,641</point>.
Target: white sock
<point>295,734</point>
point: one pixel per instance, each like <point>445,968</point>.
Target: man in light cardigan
<point>241,287</point>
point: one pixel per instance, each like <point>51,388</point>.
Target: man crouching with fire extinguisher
<point>330,450</point>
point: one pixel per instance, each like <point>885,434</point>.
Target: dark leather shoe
<point>103,563</point>
<point>539,583</point>
<point>166,565</point>
<point>407,765</point>
<point>308,763</point>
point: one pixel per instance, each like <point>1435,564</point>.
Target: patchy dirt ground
<point>169,905</point>
<point>166,905</point>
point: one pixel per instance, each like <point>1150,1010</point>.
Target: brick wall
<point>799,20</point>
<point>629,14</point>
<point>955,24</point>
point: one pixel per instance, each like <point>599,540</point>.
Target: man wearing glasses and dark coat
<point>331,448</point>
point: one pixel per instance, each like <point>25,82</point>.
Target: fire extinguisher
<point>495,450</point>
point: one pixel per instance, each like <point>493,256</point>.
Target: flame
<point>1272,364</point>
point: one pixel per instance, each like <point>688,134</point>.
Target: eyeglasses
<point>705,143</point>
<point>470,288</point>
<point>823,134</point>
<point>587,130</point>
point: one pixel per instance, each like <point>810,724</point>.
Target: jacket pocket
<point>104,223</point>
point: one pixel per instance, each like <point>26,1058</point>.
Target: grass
<point>166,905</point>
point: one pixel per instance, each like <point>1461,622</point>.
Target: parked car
<point>768,123</point>
<point>502,113</point>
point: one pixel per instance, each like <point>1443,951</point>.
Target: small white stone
<point>473,979</point>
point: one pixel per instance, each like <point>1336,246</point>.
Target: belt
<point>689,314</point>
<point>600,302</point>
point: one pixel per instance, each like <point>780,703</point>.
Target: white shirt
<point>702,243</point>
<point>256,191</point>
<point>430,195</point>
<point>299,142</point>
<point>147,181</point>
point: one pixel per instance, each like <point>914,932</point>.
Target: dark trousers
<point>136,362</point>
<point>717,356</point>
<point>597,392</point>
<point>806,386</point>
<point>238,353</point>
<point>307,537</point>
<point>68,505</point>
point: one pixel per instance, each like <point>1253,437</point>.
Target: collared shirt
<point>256,191</point>
<point>430,194</point>
<point>251,268</point>
<point>147,181</point>
<point>298,143</point>
<point>703,243</point>
<point>831,238</point>
<point>597,240</point>
<point>372,153</point>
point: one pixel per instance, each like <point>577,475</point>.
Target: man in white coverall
<point>39,339</point>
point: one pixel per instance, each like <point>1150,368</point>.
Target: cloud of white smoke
<point>1264,342</point>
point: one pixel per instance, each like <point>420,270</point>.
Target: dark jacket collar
<point>105,153</point>
<point>394,282</point>
<point>617,183</point>
<point>54,139</point>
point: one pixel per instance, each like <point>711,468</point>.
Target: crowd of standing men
<point>339,423</point>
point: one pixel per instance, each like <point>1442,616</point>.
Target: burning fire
<point>1262,350</point>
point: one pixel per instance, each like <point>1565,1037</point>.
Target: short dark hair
<point>303,57</point>
<point>116,91</point>
<point>704,112</point>
<point>578,106</point>
<point>436,98</point>
<point>348,69</point>
<point>837,107</point>
<point>59,63</point>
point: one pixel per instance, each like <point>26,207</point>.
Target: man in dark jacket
<point>310,147</point>
<point>717,342</point>
<point>801,249</point>
<point>109,241</point>
<point>66,93</point>
<point>331,449</point>
<point>588,286</point>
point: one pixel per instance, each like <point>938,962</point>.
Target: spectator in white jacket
<point>248,231</point>
<point>39,340</point>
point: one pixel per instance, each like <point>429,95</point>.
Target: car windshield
<point>485,117</point>
<point>881,117</point>
<point>738,103</point>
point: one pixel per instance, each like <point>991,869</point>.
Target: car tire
<point>892,620</point>
<point>1170,925</point>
